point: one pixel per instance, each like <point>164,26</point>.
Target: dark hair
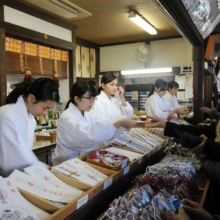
<point>172,84</point>
<point>79,89</point>
<point>159,83</point>
<point>42,88</point>
<point>107,78</point>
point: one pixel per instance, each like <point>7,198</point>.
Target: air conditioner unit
<point>62,8</point>
<point>186,69</point>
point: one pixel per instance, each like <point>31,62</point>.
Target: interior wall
<point>166,53</point>
<point>11,15</point>
<point>30,22</point>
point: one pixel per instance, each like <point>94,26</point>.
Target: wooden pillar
<point>3,90</point>
<point>198,85</point>
<point>208,90</point>
<point>97,52</point>
<point>72,63</point>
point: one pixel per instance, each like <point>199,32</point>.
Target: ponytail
<point>99,89</point>
<point>18,91</point>
<point>152,89</point>
<point>67,104</point>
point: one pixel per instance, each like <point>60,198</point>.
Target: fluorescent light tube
<point>137,19</point>
<point>147,71</point>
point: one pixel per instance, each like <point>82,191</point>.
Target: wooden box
<point>51,138</point>
<point>115,168</point>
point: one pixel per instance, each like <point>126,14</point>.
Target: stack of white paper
<point>41,189</point>
<point>80,170</point>
<point>40,172</point>
<point>13,205</point>
<point>139,139</point>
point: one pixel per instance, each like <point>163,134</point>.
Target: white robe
<point>157,106</point>
<point>16,137</point>
<point>78,134</point>
<point>171,99</point>
<point>111,108</point>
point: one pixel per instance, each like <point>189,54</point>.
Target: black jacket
<point>211,169</point>
<point>211,148</point>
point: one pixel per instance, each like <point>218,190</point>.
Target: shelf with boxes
<point>116,181</point>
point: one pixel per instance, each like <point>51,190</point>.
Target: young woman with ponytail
<point>17,123</point>
<point>81,129</point>
<point>157,106</point>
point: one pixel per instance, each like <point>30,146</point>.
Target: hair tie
<point>116,74</point>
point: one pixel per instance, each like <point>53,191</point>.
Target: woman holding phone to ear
<point>108,106</point>
<point>17,123</point>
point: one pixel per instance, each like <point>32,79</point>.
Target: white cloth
<point>171,99</point>
<point>111,108</point>
<point>78,134</point>
<point>157,106</point>
<point>16,137</point>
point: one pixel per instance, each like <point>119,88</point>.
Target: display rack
<point>139,104</point>
<point>95,200</point>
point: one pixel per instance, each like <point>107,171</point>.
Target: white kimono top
<point>171,99</point>
<point>111,108</point>
<point>16,137</point>
<point>78,134</point>
<point>157,106</point>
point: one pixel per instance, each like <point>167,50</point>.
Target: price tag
<point>140,160</point>
<point>124,163</point>
<point>107,184</point>
<point>126,169</point>
<point>82,201</point>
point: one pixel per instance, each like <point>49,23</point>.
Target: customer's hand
<point>195,211</point>
<point>180,216</point>
<point>182,111</point>
<point>199,149</point>
<point>206,110</point>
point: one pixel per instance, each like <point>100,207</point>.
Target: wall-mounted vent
<point>186,70</point>
<point>62,8</point>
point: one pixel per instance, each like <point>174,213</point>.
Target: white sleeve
<point>127,110</point>
<point>14,152</point>
<point>153,109</point>
<point>81,135</point>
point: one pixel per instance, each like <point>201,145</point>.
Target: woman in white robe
<point>157,106</point>
<point>17,123</point>
<point>80,130</point>
<point>171,93</point>
<point>108,106</point>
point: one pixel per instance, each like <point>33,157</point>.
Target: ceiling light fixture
<point>147,71</point>
<point>137,19</point>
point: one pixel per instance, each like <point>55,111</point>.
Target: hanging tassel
<point>28,75</point>
<point>56,79</point>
